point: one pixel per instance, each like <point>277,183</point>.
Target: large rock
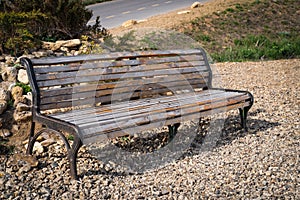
<point>4,94</point>
<point>61,43</point>
<point>21,99</point>
<point>9,59</point>
<point>22,107</point>
<point>48,45</point>
<point>71,43</point>
<point>42,53</point>
<point>22,76</point>
<point>22,116</point>
<point>3,106</point>
<point>16,92</point>
<point>10,74</point>
<point>38,147</point>
<point>5,133</point>
<point>129,23</point>
<point>196,4</point>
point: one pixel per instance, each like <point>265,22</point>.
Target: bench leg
<point>173,130</point>
<point>31,139</point>
<point>72,156</point>
<point>243,115</point>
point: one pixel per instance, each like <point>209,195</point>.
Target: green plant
<point>70,137</point>
<point>125,42</point>
<point>24,23</point>
<point>26,88</point>
<point>17,30</point>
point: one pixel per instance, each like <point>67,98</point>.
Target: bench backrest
<point>87,80</point>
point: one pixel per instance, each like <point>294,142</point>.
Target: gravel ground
<point>262,163</point>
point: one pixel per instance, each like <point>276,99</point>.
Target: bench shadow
<point>231,131</point>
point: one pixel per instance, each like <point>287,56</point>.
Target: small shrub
<point>70,137</point>
<point>24,23</point>
<point>16,32</point>
<point>26,88</point>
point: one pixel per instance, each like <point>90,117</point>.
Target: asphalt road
<point>114,13</point>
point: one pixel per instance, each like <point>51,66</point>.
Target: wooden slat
<point>150,88</point>
<point>112,56</point>
<point>198,66</point>
<point>179,108</point>
<point>95,137</point>
<point>90,133</point>
<point>159,105</point>
<point>134,105</point>
<point>121,83</point>
<point>90,100</point>
<point>100,77</point>
<point>147,117</point>
<point>107,64</point>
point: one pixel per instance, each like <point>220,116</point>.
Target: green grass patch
<point>258,47</point>
<point>258,29</point>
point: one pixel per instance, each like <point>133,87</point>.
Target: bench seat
<point>122,118</point>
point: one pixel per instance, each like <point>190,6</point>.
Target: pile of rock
<point>14,101</point>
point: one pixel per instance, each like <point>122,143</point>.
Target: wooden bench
<point>96,97</point>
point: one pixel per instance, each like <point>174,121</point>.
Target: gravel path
<point>260,164</point>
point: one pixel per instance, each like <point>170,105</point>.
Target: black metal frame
<point>55,125</point>
<point>51,123</point>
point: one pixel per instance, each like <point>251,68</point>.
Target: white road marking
<point>143,8</point>
<point>168,2</point>
<point>155,5</point>
<point>108,17</point>
<point>127,12</point>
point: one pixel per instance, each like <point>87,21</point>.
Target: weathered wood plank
<point>112,64</point>
<point>71,94</point>
<point>192,78</point>
<point>91,135</point>
<point>198,67</point>
<point>107,77</point>
<point>163,111</point>
<point>112,56</point>
<point>136,104</point>
<point>156,106</point>
<point>92,99</point>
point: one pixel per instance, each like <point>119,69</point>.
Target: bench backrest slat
<point>93,79</point>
